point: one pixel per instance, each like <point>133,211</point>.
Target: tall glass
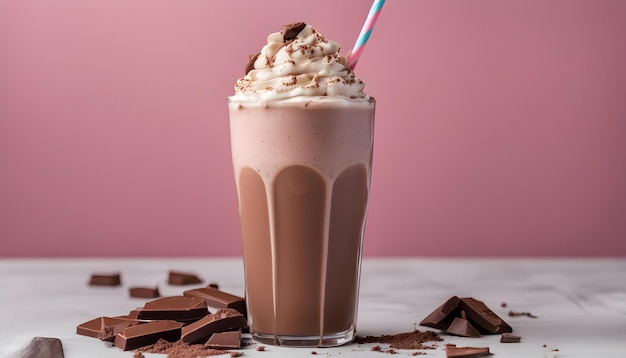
<point>302,170</point>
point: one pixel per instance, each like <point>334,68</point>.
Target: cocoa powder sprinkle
<point>409,340</point>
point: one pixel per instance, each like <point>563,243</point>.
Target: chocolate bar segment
<point>478,313</point>
<point>225,340</point>
<point>43,347</point>
<point>225,319</point>
<point>144,292</point>
<point>132,315</point>
<point>442,317</point>
<point>218,299</point>
<point>177,308</point>
<point>461,327</point>
<point>182,278</point>
<point>452,351</point>
<point>145,334</point>
<point>510,338</point>
<point>113,279</point>
<point>104,328</point>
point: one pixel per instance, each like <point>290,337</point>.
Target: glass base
<point>328,340</point>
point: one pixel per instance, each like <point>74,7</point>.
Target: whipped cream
<point>298,62</point>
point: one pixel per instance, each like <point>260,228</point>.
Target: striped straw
<point>366,31</point>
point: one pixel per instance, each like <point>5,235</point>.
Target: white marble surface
<point>580,303</point>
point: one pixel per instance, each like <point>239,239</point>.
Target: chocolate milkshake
<point>301,136</point>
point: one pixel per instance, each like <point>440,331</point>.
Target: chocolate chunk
<point>292,30</point>
<point>104,328</point>
<point>510,338</point>
<point>43,347</point>
<point>105,280</point>
<point>144,292</point>
<point>250,65</point>
<point>218,299</point>
<point>183,278</point>
<point>149,333</point>
<point>461,327</point>
<point>483,317</point>
<point>442,317</point>
<point>225,340</point>
<point>465,352</point>
<point>177,308</point>
<point>225,319</point>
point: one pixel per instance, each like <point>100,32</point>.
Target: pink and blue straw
<point>366,32</point>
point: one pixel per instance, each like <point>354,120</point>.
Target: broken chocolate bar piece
<point>104,328</point>
<point>132,315</point>
<point>452,351</point>
<point>112,279</point>
<point>144,292</point>
<point>292,30</point>
<point>177,308</point>
<point>510,338</point>
<point>149,333</point>
<point>43,347</point>
<point>218,299</point>
<point>442,317</point>
<point>225,319</point>
<point>182,278</point>
<point>461,327</point>
<point>225,340</point>
<point>478,313</point>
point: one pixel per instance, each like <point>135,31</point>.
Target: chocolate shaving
<point>292,30</point>
<point>250,65</point>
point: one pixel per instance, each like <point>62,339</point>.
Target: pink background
<point>501,125</point>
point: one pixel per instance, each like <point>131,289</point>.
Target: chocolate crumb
<point>138,355</point>
<point>555,350</point>
<point>250,65</point>
<point>520,314</point>
<point>213,285</point>
<point>236,354</point>
<point>260,348</point>
<point>313,352</point>
<point>292,30</point>
<point>503,304</point>
<point>376,349</point>
<point>545,345</point>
